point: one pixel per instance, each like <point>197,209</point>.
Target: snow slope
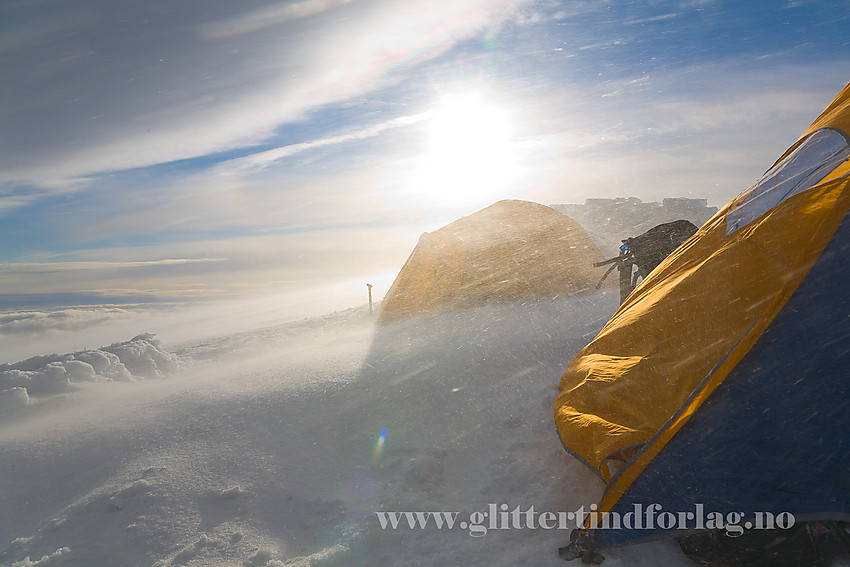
<point>277,446</point>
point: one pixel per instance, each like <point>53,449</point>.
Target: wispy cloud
<point>268,17</point>
<point>126,280</point>
<point>249,265</point>
<point>9,203</point>
<point>263,159</point>
<point>134,99</point>
<point>38,322</point>
<point>52,267</point>
<point>658,18</point>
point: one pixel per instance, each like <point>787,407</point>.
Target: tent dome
<point>721,381</point>
<point>509,251</point>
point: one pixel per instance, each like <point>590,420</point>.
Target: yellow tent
<point>509,251</point>
<point>722,379</point>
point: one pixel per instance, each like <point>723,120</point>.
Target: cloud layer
<point>98,87</point>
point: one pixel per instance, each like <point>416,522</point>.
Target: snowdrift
<point>44,376</point>
<point>278,446</point>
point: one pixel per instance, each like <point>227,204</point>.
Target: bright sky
<point>165,153</point>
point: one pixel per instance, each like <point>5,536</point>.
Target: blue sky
<point>164,153</point>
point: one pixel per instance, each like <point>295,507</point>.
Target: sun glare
<point>469,159</point>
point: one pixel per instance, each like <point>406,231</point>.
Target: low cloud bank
<point>43,376</point>
<point>70,319</point>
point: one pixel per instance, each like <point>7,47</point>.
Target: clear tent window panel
<point>817,156</point>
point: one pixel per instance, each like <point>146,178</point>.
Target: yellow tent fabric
<point>692,320</point>
<point>509,251</point>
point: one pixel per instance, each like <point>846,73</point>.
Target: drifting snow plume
<point>42,376</point>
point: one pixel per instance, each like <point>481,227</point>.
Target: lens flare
<point>378,450</point>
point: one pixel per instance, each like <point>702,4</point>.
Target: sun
<point>469,158</point>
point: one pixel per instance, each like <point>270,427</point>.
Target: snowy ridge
<point>278,447</point>
<point>44,376</point>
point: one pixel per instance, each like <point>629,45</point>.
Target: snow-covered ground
<point>278,446</point>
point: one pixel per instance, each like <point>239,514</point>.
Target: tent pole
<point>369,288</point>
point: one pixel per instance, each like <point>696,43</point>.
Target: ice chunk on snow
<point>45,560</point>
<point>229,493</point>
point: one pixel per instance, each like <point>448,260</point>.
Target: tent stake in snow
<point>369,288</point>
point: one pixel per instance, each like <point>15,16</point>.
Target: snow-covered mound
<point>281,446</point>
<point>43,376</point>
